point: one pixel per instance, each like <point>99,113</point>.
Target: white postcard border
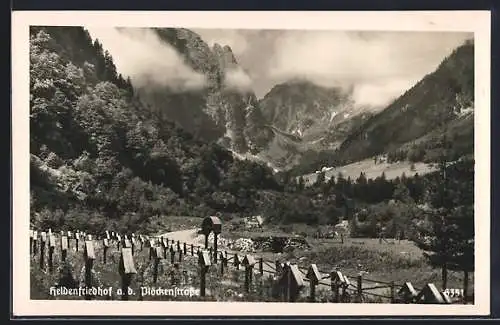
<point>458,21</point>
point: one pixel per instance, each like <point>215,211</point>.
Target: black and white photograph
<point>304,167</point>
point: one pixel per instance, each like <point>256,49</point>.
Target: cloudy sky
<point>379,65</point>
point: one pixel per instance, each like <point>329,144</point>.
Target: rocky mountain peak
<point>225,57</point>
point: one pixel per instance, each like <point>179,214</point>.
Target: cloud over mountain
<point>379,65</point>
<point>140,54</point>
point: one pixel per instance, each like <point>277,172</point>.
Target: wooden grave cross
<point>158,255</point>
<point>105,247</point>
<point>35,240</point>
<point>89,255</point>
<point>248,262</point>
<point>172,254</point>
<point>126,269</point>
<point>407,293</point>
<point>337,281</point>
<point>314,277</point>
<point>64,248</point>
<point>151,249</point>
<point>204,262</point>
<point>43,240</point>
<point>293,281</point>
<point>118,241</point>
<point>77,238</point>
<point>430,295</point>
<point>52,246</point>
<point>31,241</point>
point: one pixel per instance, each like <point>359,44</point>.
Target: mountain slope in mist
<point>306,119</point>
<point>223,109</point>
<point>440,98</point>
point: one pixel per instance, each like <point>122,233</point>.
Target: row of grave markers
<point>288,276</point>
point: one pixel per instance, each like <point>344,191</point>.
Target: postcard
<point>251,163</point>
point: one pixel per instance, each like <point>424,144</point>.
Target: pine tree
<point>448,241</point>
<point>301,184</point>
<point>402,193</point>
<point>320,180</point>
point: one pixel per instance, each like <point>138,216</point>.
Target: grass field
<point>373,170</point>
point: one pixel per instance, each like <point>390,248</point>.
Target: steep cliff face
<point>303,108</point>
<point>225,109</point>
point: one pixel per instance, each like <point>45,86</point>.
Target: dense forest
<point>101,158</point>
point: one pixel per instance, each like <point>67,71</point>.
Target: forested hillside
<point>98,156</point>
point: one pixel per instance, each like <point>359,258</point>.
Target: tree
<point>448,236</point>
<point>402,193</point>
<point>301,184</point>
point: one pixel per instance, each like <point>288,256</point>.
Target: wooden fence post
<point>126,269</point>
<point>236,262</point>
<point>345,286</point>
<point>359,288</point>
<point>466,286</point>
<point>192,250</point>
<point>184,248</point>
<point>393,292</point>
<point>180,255</point>
<point>215,247</point>
<point>222,263</point>
<point>89,262</point>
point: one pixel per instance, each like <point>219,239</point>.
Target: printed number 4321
<point>454,293</point>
